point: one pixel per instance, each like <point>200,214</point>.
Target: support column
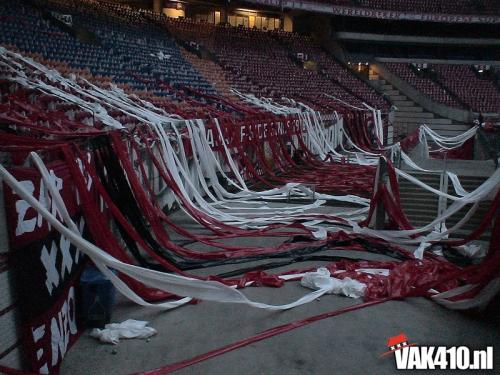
<point>380,180</point>
<point>287,22</point>
<point>157,6</point>
<point>224,12</point>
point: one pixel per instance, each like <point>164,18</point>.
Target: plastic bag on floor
<point>129,329</point>
<point>321,279</point>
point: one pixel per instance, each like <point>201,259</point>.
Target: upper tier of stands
<point>330,68</point>
<point>453,85</point>
<point>426,6</point>
<point>115,43</point>
<point>138,50</point>
<point>263,63</point>
<point>134,49</point>
<point>120,47</point>
<point>126,45</point>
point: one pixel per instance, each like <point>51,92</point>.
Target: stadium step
<point>396,96</point>
<point>403,103</point>
<point>212,72</point>
<point>406,114</point>
<point>424,119</point>
<point>469,183</point>
<point>410,109</point>
<point>421,206</point>
<point>392,93</point>
<point>409,115</point>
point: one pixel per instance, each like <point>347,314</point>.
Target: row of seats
<point>453,85</point>
<point>48,111</point>
<point>124,48</point>
<point>259,62</point>
<point>137,45</point>
<point>480,94</point>
<point>332,69</point>
<point>135,48</point>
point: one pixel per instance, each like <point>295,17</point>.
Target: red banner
<point>378,13</point>
<point>46,267</point>
<point>245,133</point>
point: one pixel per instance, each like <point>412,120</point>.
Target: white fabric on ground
<point>129,329</point>
<point>322,280</point>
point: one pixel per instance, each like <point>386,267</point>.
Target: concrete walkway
<point>347,344</point>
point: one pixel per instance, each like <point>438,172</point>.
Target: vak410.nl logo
<point>410,356</point>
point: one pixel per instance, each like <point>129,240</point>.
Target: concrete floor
<point>347,344</point>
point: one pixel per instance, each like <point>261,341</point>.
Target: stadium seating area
<point>331,69</point>
<point>139,51</point>
<point>133,49</point>
<point>422,83</point>
<point>114,43</point>
<point>116,56</point>
<point>125,50</point>
<point>269,69</point>
<point>427,6</point>
<point>480,94</point>
<point>453,85</point>
<point>177,162</point>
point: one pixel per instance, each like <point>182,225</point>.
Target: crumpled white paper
<point>419,253</point>
<point>472,251</point>
<point>129,329</point>
<point>321,279</point>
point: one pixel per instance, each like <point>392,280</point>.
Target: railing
<point>490,143</point>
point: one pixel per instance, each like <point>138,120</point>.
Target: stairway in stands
<point>421,206</point>
<point>213,73</point>
<point>409,115</point>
